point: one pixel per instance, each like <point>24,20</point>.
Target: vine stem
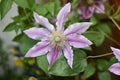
<point>27,16</point>
<point>110,17</point>
<point>113,40</point>
<point>114,22</point>
<point>98,56</point>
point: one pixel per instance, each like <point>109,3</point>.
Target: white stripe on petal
<point>77,28</point>
<point>62,16</point>
<point>116,52</point>
<point>39,49</point>
<point>68,53</point>
<point>115,68</point>
<point>78,41</point>
<point>37,33</point>
<point>53,55</point>
<point>44,22</point>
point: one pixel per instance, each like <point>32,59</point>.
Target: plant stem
<point>98,56</point>
<point>113,40</point>
<point>114,22</point>
<point>27,16</point>
<point>110,17</point>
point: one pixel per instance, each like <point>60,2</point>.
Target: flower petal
<point>115,68</point>
<point>86,11</point>
<point>78,41</point>
<point>53,55</point>
<point>44,22</point>
<point>39,49</point>
<point>101,6</point>
<point>116,52</point>
<point>68,53</point>
<point>77,28</point>
<point>62,16</point>
<point>36,33</point>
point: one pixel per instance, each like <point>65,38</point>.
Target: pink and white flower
<point>115,68</point>
<point>86,8</point>
<point>55,41</point>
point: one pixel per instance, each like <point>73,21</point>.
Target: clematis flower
<point>55,41</point>
<point>115,68</point>
<point>86,8</point>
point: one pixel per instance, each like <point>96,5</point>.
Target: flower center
<point>58,39</point>
<point>90,2</point>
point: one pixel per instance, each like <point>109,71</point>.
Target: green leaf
<point>94,36</point>
<point>25,43</point>
<point>40,9</point>
<point>89,48</point>
<point>102,64</point>
<point>94,20</point>
<point>117,17</point>
<point>75,3</point>
<point>113,60</point>
<point>109,10</point>
<point>10,27</point>
<point>50,8</point>
<point>25,3</point>
<point>61,67</point>
<point>5,6</point>
<point>106,28</point>
<point>104,75</point>
<point>89,71</point>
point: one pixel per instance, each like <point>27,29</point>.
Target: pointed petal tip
<point>71,66</point>
<point>27,56</point>
<point>115,68</point>
<point>89,23</point>
<point>112,48</point>
<point>68,4</point>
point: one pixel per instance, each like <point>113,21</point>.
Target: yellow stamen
<point>32,78</point>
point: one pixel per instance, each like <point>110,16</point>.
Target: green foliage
<point>25,43</point>
<point>40,9</point>
<point>47,9</point>
<point>25,20</point>
<point>61,67</point>
<point>75,3</point>
<point>5,6</point>
<point>106,28</point>
<point>116,15</point>
<point>89,70</point>
<point>10,27</point>
<point>94,20</point>
<point>25,3</point>
<point>102,64</point>
<point>94,36</point>
<point>104,75</point>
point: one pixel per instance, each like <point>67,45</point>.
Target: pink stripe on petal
<point>44,22</point>
<point>115,68</point>
<point>62,16</point>
<point>39,49</point>
<point>68,53</point>
<point>53,55</point>
<point>36,33</point>
<point>77,28</point>
<point>78,41</point>
<point>116,52</point>
<point>87,12</point>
